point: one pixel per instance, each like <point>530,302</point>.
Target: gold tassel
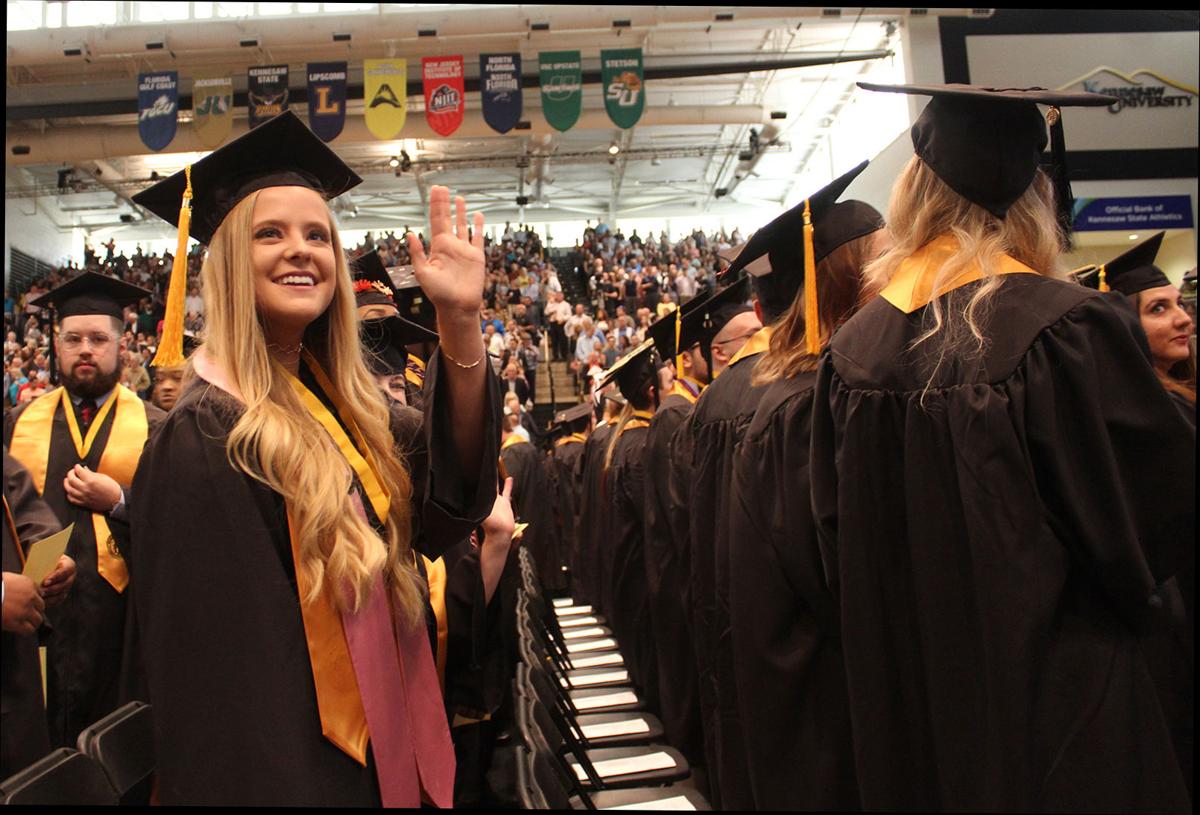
<point>678,350</point>
<point>812,324</point>
<point>170,345</point>
<point>1103,286</point>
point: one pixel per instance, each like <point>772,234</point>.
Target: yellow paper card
<point>43,555</point>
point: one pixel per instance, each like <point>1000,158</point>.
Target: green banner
<point>561,75</point>
<point>624,90</point>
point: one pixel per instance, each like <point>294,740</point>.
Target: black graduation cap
<point>573,414</point>
<point>987,143</point>
<point>385,339</point>
<point>1129,273</point>
<point>372,286</point>
<point>281,152</point>
<point>632,370</point>
<point>701,320</point>
<point>411,299</point>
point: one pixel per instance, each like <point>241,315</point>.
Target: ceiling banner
<point>327,99</point>
<point>385,96</point>
<point>444,92</point>
<point>561,74</point>
<point>500,89</point>
<point>158,108</point>
<point>624,88</point>
<point>212,108</point>
<point>267,92</point>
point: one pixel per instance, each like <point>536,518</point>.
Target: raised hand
<point>453,272</point>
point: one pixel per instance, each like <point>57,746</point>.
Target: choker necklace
<point>287,349</point>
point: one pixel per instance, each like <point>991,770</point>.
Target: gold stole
<point>435,576</point>
<point>640,418</point>
<point>571,439</point>
<point>130,428</point>
<point>513,439</point>
<point>679,389</point>
<point>414,371</point>
<point>911,287</point>
<point>757,344</point>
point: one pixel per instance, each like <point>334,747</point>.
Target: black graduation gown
<point>667,585</point>
<point>589,534</point>
<point>531,500</point>
<point>84,652</point>
<point>717,424</point>
<point>627,593</point>
<point>223,642</point>
<point>24,737</point>
<point>564,466</point>
<point>790,680</point>
<point>996,543</point>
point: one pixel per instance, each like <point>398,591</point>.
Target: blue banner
<point>158,108</point>
<point>327,99</point>
<point>500,87</point>
<point>1146,212</point>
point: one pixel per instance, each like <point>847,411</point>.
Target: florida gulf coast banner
<point>385,96</point>
<point>624,88</point>
<point>500,89</point>
<point>561,76</point>
<point>158,108</point>
<point>444,92</point>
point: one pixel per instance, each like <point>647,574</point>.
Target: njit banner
<point>385,96</point>
<point>212,108</point>
<point>158,108</point>
<point>267,90</point>
<point>327,99</point>
<point>444,92</point>
<point>624,91</point>
<point>500,88</point>
<point>561,75</point>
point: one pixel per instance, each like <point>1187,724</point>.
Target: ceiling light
<point>1133,237</point>
<point>394,162</point>
<point>614,148</point>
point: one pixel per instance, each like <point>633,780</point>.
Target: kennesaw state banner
<point>267,89</point>
<point>500,87</point>
<point>158,108</point>
<point>212,109</point>
<point>327,99</point>
<point>444,91</point>
<point>385,96</point>
<point>624,91</point>
<point>561,74</point>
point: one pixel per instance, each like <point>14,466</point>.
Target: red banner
<point>444,93</point>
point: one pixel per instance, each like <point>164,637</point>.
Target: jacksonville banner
<point>624,90</point>
<point>158,108</point>
<point>444,92</point>
<point>561,74</point>
<point>327,99</point>
<point>385,96</point>
<point>267,91</point>
<point>212,108</point>
<point>500,87</point>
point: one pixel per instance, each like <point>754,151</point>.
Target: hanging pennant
<point>624,90</point>
<point>158,108</point>
<point>444,91</point>
<point>267,92</point>
<point>561,74</point>
<point>500,88</point>
<point>212,108</point>
<point>385,96</point>
<point>327,99</point>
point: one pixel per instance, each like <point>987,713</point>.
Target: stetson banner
<point>327,99</point>
<point>158,108</point>
<point>500,88</point>
<point>385,96</point>
<point>624,90</point>
<point>561,74</point>
<point>444,92</point>
<point>212,108</point>
<point>267,89</point>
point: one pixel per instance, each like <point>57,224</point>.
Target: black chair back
<point>63,778</point>
<point>122,743</point>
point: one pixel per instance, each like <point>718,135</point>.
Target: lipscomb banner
<point>158,108</point>
<point>561,74</point>
<point>500,88</point>
<point>444,92</point>
<point>385,96</point>
<point>624,89</point>
<point>327,99</point>
<point>212,108</point>
<point>267,92</point>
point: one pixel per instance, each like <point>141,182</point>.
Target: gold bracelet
<point>461,365</point>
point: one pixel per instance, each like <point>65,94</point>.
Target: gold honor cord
<point>170,347</point>
<point>812,325</point>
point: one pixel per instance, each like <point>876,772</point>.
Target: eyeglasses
<point>745,336</point>
<point>72,341</point>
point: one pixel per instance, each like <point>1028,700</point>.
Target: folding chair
<point>63,778</point>
<point>122,743</point>
<point>604,729</point>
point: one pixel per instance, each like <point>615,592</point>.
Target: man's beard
<point>100,383</point>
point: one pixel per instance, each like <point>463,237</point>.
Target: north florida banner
<point>267,92</point>
<point>158,108</point>
<point>561,75</point>
<point>500,88</point>
<point>385,96</point>
<point>444,92</point>
<point>212,108</point>
<point>624,90</point>
<point>327,99</point>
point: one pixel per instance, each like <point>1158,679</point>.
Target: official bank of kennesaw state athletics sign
<point>1143,88</point>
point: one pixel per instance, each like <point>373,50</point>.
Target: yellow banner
<point>385,96</point>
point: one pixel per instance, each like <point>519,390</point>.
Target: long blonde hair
<point>923,207</point>
<point>277,442</point>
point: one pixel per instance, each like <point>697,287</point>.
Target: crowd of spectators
<point>630,282</point>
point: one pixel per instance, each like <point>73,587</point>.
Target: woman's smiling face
<point>293,257</point>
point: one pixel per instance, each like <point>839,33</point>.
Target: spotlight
<point>405,161</point>
<point>394,162</point>
<point>522,200</point>
<point>64,177</point>
<point>614,148</point>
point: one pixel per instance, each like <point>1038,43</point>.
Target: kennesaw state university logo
<point>444,99</point>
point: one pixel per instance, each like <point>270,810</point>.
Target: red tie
<point>87,411</point>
